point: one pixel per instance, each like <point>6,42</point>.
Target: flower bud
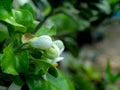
<point>43,42</point>
<point>51,53</point>
<point>59,43</point>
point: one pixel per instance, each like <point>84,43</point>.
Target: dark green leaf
<point>72,46</point>
<point>22,62</point>
<point>17,80</point>
<point>82,83</point>
<point>1,55</point>
<point>7,4</point>
<point>46,31</point>
<point>43,67</point>
<point>36,83</point>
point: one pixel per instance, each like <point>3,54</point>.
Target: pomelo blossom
<point>59,47</point>
<point>43,42</point>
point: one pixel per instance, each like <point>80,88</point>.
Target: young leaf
<point>27,6</point>
<point>45,31</point>
<point>23,17</point>
<point>6,17</point>
<point>8,62</point>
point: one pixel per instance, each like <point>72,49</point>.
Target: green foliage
<point>45,31</point>
<point>8,62</point>
<point>22,63</point>
<point>59,83</point>
<point>111,77</point>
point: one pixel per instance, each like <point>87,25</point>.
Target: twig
<point>42,22</point>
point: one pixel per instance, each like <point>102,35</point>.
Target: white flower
<point>43,42</point>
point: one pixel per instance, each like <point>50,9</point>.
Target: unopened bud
<point>51,53</point>
<point>59,43</point>
<point>43,42</point>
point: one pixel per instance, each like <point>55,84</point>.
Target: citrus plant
<point>28,57</point>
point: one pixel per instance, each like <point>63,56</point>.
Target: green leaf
<point>1,55</point>
<point>8,63</point>
<point>46,31</point>
<point>112,87</point>
<point>52,83</point>
<point>43,67</point>
<point>62,24</point>
<point>27,6</point>
<point>7,4</point>
<point>82,83</point>
<point>72,46</point>
<point>3,32</point>
<point>117,77</point>
<point>22,62</point>
<point>113,1</point>
<point>104,6</point>
<point>59,83</point>
<point>23,17</point>
<point>36,83</point>
<point>6,17</point>
<point>109,74</point>
<point>17,80</point>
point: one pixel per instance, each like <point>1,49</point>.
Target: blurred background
<point>90,30</point>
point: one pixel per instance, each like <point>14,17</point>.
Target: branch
<point>42,22</point>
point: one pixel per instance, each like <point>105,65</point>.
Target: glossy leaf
<point>8,63</point>
<point>23,17</point>
<point>6,17</point>
<point>46,31</point>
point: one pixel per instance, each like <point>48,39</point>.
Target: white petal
<point>57,60</point>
